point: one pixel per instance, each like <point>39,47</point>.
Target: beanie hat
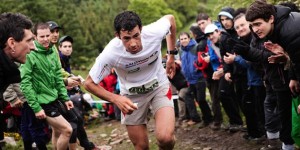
<point>226,11</point>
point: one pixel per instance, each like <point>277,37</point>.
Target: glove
<point>239,47</point>
<point>231,42</point>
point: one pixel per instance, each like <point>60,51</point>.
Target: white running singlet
<point>138,73</point>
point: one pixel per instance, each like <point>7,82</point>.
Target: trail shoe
<point>235,128</point>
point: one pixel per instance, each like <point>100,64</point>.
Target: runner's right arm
<point>122,102</point>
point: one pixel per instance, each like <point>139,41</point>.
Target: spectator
<point>227,100</point>
<point>196,81</point>
<point>16,41</point>
<point>42,84</point>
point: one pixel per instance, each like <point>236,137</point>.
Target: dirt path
<point>112,133</point>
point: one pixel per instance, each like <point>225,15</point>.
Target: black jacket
<point>274,74</point>
<point>237,72</point>
<point>287,34</point>
<point>9,73</point>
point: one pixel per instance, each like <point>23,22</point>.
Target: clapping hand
<point>273,47</point>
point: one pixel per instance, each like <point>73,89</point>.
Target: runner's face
<point>132,40</point>
<point>184,40</point>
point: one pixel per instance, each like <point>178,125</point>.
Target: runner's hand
<point>170,67</point>
<point>69,104</point>
<point>40,115</point>
<point>125,104</point>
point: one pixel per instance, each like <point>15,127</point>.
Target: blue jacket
<point>254,78</point>
<point>215,60</point>
<point>188,56</point>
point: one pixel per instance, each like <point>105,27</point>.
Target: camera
<point>203,55</point>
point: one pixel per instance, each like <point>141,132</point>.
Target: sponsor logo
<point>142,61</point>
<point>134,70</point>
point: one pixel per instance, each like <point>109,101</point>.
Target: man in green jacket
<point>43,87</point>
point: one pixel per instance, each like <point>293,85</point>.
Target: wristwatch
<point>172,52</point>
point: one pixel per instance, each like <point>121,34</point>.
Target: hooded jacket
<point>188,57</point>
<point>41,75</point>
<point>228,12</point>
<point>287,34</point>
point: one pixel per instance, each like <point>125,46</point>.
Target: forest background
<point>90,22</point>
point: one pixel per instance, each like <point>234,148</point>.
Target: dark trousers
<point>278,105</point>
<point>197,91</point>
<point>240,89</point>
<point>228,99</point>
<point>253,104</point>
<point>79,130</point>
<point>33,129</point>
<point>213,86</point>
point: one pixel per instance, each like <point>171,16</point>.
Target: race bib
<point>145,88</point>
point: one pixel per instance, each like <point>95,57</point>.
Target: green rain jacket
<point>42,81</point>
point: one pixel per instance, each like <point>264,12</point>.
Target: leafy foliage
<point>90,22</point>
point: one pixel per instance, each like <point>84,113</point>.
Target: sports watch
<point>172,52</point>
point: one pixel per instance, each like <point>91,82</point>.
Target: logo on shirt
<point>134,70</point>
<point>142,61</point>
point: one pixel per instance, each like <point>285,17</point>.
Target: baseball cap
<point>210,28</point>
<point>65,38</point>
<point>53,25</point>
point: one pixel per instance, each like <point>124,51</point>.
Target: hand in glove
<point>241,48</point>
<point>231,42</point>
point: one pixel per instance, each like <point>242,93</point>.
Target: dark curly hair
<point>13,25</point>
<point>260,9</point>
<point>126,21</point>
